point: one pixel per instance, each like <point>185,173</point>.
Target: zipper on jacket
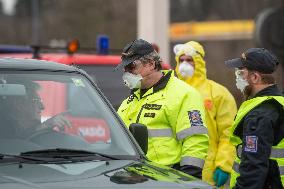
<point>139,114</point>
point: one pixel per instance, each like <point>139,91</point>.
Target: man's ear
<point>256,78</point>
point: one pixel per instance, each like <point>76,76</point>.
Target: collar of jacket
<point>161,84</point>
<point>269,91</point>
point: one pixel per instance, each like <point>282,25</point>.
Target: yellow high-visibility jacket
<point>277,151</point>
<point>220,108</point>
<point>173,113</point>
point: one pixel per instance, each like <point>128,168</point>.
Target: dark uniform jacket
<point>266,123</point>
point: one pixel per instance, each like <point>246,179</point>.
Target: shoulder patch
<point>251,144</point>
<point>195,118</point>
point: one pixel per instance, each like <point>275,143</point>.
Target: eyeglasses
<point>239,73</point>
<point>132,66</point>
<point>129,67</point>
<point>36,100</point>
<point>33,100</point>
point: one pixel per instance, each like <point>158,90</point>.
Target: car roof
<point>33,64</point>
<point>76,59</point>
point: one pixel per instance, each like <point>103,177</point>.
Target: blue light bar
<point>102,44</point>
<point>15,49</point>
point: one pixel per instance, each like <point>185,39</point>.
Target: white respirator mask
<point>131,80</point>
<point>241,83</point>
<point>185,69</point>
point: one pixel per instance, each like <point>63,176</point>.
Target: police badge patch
<point>195,118</point>
<point>251,144</point>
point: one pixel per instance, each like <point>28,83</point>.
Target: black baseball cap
<point>133,51</point>
<point>255,59</point>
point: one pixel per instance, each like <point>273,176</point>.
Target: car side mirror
<point>140,133</point>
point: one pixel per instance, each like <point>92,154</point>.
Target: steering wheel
<point>52,139</point>
<point>39,133</point>
<point>54,124</point>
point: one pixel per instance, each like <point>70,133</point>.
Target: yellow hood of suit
<point>196,51</point>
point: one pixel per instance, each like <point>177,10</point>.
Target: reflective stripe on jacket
<point>277,151</point>
<point>173,113</point>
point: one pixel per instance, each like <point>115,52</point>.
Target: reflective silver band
<point>192,161</point>
<point>281,170</point>
<point>191,131</point>
<point>236,168</point>
<point>275,152</point>
<point>160,133</point>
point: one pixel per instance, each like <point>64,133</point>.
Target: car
<point>99,66</point>
<point>56,154</point>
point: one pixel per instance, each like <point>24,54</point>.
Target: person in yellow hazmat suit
<point>220,109</point>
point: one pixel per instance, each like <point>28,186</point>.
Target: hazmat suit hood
<point>196,51</point>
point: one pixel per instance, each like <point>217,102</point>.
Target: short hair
<point>153,56</point>
<point>267,78</point>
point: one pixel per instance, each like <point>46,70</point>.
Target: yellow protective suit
<point>220,109</point>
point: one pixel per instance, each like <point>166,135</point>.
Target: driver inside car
<point>21,115</point>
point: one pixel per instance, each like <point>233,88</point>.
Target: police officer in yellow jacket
<point>258,129</point>
<point>220,110</point>
<point>172,111</point>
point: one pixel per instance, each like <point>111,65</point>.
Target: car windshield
<point>45,111</point>
<point>108,81</point>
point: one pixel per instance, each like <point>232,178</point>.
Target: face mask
<point>185,69</point>
<point>241,83</point>
<point>131,80</point>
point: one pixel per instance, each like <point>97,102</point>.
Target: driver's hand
<point>57,122</point>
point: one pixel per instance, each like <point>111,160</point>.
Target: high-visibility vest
<point>277,152</point>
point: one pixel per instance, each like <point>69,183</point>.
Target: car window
<point>41,111</point>
<point>109,81</point>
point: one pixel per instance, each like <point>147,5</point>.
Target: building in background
<point>226,31</point>
<point>68,19</point>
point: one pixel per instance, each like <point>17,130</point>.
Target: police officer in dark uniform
<point>258,128</point>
